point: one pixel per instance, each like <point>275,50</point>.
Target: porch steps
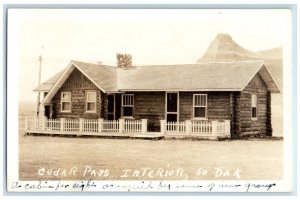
<point>148,135</point>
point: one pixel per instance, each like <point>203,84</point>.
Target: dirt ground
<point>60,158</point>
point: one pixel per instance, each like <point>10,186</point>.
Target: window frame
<point>62,101</point>
<point>166,105</point>
<point>194,106</point>
<point>122,105</point>
<point>86,101</point>
<point>256,113</point>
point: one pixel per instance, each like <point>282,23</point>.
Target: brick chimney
<point>124,60</point>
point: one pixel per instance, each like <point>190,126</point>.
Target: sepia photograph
<point>149,100</point>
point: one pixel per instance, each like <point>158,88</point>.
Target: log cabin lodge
<point>175,98</point>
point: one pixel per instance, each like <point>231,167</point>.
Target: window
<point>200,105</point>
<point>65,102</point>
<point>90,104</point>
<point>254,106</point>
<point>127,105</point>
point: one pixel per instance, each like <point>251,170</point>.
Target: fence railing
<point>110,126</point>
<point>130,126</point>
<point>175,127</point>
<point>202,128</point>
<point>197,128</point>
<point>134,126</point>
<point>86,125</point>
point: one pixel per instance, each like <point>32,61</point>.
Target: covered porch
<point>128,128</point>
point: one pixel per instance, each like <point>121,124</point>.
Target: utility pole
<point>39,83</point>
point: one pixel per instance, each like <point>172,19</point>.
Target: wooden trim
<point>89,77</point>
<point>61,102</point>
<point>193,106</point>
<point>251,77</point>
<point>114,111</point>
<point>271,77</point>
<point>86,102</point>
<point>122,106</point>
<point>70,68</point>
<point>127,117</point>
<point>254,118</point>
<point>257,72</point>
<point>182,90</point>
<point>114,106</point>
<point>41,90</point>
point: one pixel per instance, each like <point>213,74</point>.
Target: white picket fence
<point>202,128</point>
<point>175,127</point>
<point>110,126</point>
<point>211,129</point>
<point>133,126</point>
<point>196,128</point>
<point>86,125</point>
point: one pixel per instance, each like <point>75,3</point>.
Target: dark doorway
<point>47,112</point>
<point>111,107</point>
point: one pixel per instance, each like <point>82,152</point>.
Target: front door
<point>172,99</point>
<point>111,106</point>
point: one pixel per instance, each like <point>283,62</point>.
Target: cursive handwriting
<point>258,186</point>
<point>141,186</point>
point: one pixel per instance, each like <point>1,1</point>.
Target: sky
<point>150,36</point>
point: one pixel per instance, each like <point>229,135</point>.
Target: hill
<point>223,48</point>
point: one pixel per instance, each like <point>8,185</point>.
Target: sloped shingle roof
<point>210,76</point>
<point>221,76</point>
<point>103,75</point>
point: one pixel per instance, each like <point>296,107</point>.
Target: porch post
<point>163,126</point>
<point>81,121</point>
<point>26,123</point>
<point>188,127</point>
<point>214,125</point>
<point>43,123</point>
<point>100,124</point>
<point>144,125</point>
<point>62,124</point>
<point>227,128</point>
<point>121,125</point>
<point>35,122</point>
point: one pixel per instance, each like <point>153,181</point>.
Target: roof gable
<point>101,76</point>
<point>269,79</point>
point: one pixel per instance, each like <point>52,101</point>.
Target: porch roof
<point>47,85</point>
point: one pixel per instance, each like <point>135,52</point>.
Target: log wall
<point>245,123</point>
<point>218,105</point>
<point>234,106</point>
<point>78,84</point>
<point>269,121</point>
<point>151,106</point>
